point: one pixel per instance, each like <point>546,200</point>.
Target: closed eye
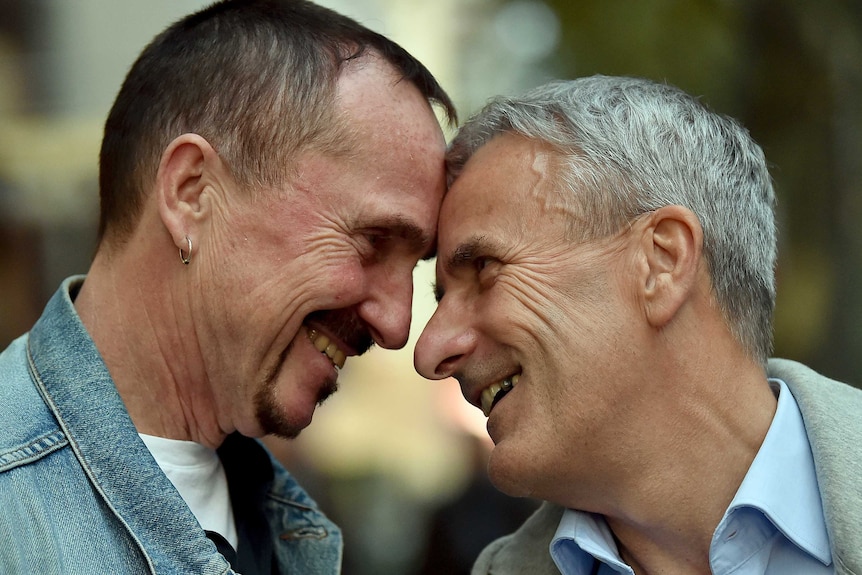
<point>471,254</point>
<point>438,290</point>
<point>377,239</point>
<point>481,263</point>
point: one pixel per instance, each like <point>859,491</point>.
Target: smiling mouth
<point>496,391</point>
<point>328,348</point>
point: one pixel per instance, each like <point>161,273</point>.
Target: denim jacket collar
<point>75,384</point>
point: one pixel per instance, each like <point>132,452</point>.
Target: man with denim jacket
<point>270,174</point>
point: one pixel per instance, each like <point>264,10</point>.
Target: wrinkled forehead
<point>509,187</point>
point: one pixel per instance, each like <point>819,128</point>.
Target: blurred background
<point>396,460</point>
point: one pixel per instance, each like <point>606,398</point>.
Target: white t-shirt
<point>197,473</point>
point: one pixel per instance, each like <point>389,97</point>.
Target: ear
<point>183,176</point>
<point>672,243</point>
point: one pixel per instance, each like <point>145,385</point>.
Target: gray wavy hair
<point>628,146</point>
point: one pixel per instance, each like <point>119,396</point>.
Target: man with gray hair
<point>606,289</point>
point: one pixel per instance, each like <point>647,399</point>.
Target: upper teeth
<point>490,392</point>
<point>323,344</point>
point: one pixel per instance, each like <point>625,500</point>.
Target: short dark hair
<point>255,78</point>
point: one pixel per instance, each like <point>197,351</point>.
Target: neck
<point>136,324</point>
<point>702,446</point>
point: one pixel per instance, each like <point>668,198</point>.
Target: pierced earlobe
<point>186,258</point>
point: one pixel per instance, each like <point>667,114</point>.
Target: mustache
<point>346,325</point>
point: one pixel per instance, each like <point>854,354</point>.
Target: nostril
<point>388,339</point>
<point>443,348</point>
<point>446,368</point>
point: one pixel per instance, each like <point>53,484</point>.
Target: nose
<point>388,308</point>
<point>444,345</point>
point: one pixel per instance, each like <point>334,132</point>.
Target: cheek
<point>337,279</point>
<point>522,319</point>
<point>286,289</point>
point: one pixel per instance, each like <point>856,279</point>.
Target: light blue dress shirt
<point>773,526</point>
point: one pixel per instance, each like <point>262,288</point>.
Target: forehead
<point>392,175</point>
<point>507,191</point>
<point>385,112</point>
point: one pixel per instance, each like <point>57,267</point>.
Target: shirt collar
<point>781,481</point>
<point>580,539</point>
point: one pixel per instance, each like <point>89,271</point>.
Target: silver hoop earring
<point>183,258</point>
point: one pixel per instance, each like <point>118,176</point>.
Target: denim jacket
<point>80,492</point>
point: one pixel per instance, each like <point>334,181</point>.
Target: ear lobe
<point>180,183</point>
<point>673,242</point>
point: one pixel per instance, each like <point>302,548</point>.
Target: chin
<point>509,474</point>
<point>280,425</point>
<point>273,417</point>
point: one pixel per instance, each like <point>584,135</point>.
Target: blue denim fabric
<point>80,492</point>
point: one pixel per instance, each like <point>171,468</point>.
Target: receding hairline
<point>234,128</point>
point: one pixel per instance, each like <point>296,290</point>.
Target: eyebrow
<point>466,252</point>
<point>407,230</point>
<point>463,256</point>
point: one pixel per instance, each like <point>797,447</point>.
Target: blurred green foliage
<point>791,71</point>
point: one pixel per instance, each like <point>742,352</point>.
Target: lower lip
<point>491,428</point>
<point>333,372</point>
<point>493,422</point>
<point>317,365</point>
